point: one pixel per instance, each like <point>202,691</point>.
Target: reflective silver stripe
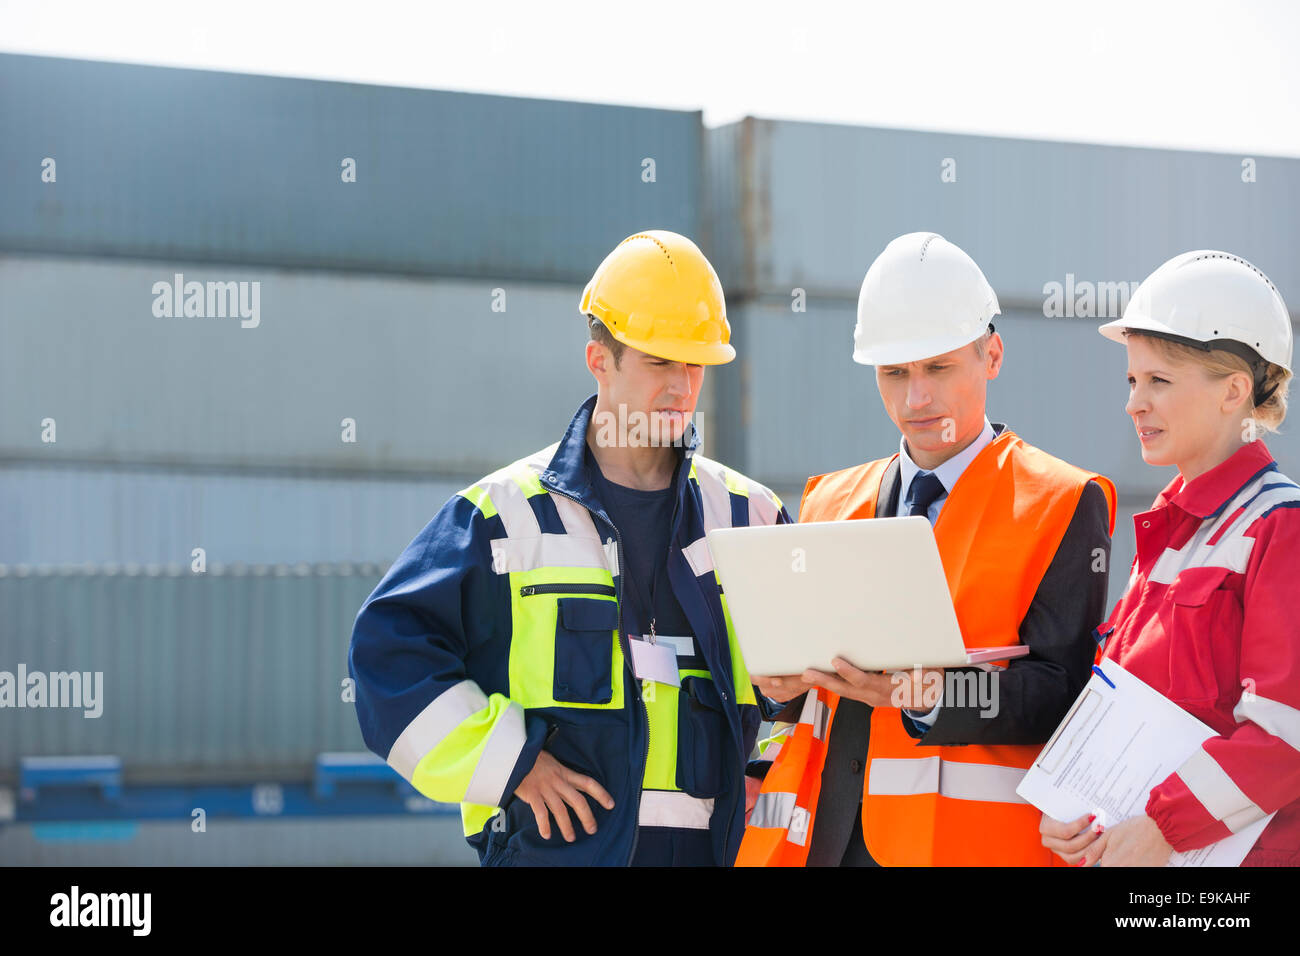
<point>511,504</point>
<point>762,509</point>
<point>498,759</point>
<point>772,752</point>
<point>699,557</point>
<point>815,713</point>
<point>579,525</point>
<point>1232,550</point>
<point>713,491</point>
<point>539,461</point>
<point>672,808</point>
<point>1273,717</point>
<point>1282,490</point>
<point>949,778</point>
<point>980,781</point>
<point>1221,797</point>
<point>576,518</point>
<point>548,550</point>
<point>718,484</point>
<point>772,810</point>
<point>442,715</point>
<point>798,831</point>
<point>902,777</point>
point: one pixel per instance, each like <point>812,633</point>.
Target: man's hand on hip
<point>550,785</point>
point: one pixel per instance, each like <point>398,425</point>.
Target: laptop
<point>871,591</point>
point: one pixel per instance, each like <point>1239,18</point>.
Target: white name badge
<point>656,662</point>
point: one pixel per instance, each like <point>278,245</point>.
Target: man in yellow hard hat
<point>554,651</point>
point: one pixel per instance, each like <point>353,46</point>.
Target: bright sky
<point>1190,74</point>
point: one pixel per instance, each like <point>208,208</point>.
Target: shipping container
<point>203,166</point>
<point>52,514</point>
<point>810,205</point>
<point>363,374</point>
<point>232,674</point>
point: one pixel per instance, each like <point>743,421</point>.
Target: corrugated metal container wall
<point>732,200</point>
<point>194,165</point>
<point>69,515</point>
<point>436,381</point>
<point>211,676</point>
<point>823,200</point>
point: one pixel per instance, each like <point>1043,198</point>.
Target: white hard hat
<point>1212,300</point>
<point>922,297</point>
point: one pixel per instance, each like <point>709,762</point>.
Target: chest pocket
<point>564,649</point>
<point>584,652</point>
<point>1203,626</point>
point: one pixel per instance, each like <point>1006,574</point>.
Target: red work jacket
<point>1210,621</point>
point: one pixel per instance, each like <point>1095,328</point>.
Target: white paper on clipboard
<point>1113,746</point>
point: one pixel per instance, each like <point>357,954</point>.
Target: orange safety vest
<point>936,805</point>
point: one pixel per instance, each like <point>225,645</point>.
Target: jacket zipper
<point>528,590</point>
<point>726,842</point>
<point>672,528</point>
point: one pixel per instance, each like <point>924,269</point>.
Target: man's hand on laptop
<point>781,689</point>
<point>916,689</point>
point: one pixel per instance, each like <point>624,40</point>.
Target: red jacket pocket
<point>1203,626</point>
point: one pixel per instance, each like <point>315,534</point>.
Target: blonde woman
<point>1208,619</point>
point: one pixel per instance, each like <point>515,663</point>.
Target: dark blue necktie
<point>925,488</point>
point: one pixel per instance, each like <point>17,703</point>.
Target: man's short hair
<point>982,341</point>
<point>601,334</point>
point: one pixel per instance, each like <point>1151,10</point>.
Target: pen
<point>1097,670</point>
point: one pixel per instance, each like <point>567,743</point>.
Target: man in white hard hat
<point>921,769</point>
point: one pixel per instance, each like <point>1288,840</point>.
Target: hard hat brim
<point>902,353</point>
<point>1116,329</point>
<point>679,350</point>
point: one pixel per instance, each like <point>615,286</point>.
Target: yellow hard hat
<point>657,293</point>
